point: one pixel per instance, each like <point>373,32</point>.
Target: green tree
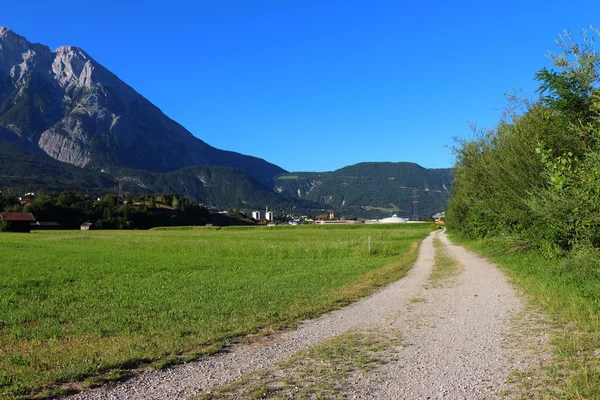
<point>536,177</point>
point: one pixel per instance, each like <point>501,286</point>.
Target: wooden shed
<point>17,222</point>
<point>41,225</point>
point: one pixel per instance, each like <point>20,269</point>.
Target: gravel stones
<point>454,335</point>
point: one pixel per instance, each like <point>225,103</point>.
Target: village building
<point>17,222</point>
<point>266,215</point>
<point>439,216</point>
<point>26,201</point>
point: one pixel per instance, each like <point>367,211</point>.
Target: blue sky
<point>317,85</point>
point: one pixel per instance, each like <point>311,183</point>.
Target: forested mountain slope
<point>373,189</point>
<point>23,169</point>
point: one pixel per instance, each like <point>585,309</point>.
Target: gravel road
<point>455,335</point>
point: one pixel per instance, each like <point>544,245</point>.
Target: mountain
<point>223,187</point>
<point>67,105</point>
<point>367,190</point>
<point>24,169</point>
<point>68,123</point>
<point>373,190</point>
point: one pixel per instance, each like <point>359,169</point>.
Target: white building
<point>266,215</point>
<point>394,219</point>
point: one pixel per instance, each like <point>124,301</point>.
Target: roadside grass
<point>444,266</point>
<point>416,300</point>
<point>78,309</point>
<point>568,292</point>
<point>319,372</point>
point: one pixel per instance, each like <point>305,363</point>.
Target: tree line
<point>71,209</point>
<point>534,180</point>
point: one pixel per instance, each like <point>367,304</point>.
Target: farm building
<point>45,225</point>
<point>17,222</point>
<point>86,226</point>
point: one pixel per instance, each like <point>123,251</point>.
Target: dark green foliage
<point>372,190</point>
<point>23,170</point>
<point>32,107</point>
<point>531,190</point>
<point>7,201</point>
<point>535,180</point>
<point>222,187</point>
<point>70,210</point>
<point>26,170</point>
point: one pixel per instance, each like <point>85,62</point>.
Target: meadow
<point>567,290</point>
<point>80,308</point>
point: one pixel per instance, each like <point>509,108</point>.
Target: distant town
<point>72,211</point>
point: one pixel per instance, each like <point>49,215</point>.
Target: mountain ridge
<point>24,170</point>
<point>74,109</point>
<point>373,189</point>
<point>75,124</point>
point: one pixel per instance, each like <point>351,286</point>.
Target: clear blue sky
<point>316,85</point>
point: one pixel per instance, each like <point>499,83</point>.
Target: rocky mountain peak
<point>72,65</point>
<point>68,105</point>
<point>18,55</point>
<point>10,41</point>
<point>72,51</point>
<point>5,32</point>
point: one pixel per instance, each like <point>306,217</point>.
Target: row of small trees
<point>535,179</point>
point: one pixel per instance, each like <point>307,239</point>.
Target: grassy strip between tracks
<point>444,266</point>
<point>80,308</point>
<point>319,372</point>
<point>568,292</point>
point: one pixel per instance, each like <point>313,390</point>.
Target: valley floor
<point>453,328</point>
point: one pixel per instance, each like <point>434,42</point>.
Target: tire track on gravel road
<point>454,337</point>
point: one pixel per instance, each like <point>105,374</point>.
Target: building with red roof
<point>17,222</point>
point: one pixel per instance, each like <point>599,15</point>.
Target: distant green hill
<point>365,190</point>
<point>222,187</point>
<point>24,169</point>
<point>373,190</point>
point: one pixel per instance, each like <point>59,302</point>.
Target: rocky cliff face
<point>75,110</point>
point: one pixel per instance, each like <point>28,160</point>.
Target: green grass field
<point>568,292</point>
<point>86,306</point>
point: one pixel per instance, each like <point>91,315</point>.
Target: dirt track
<point>455,335</point>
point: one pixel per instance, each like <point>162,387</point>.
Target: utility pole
<point>415,203</point>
